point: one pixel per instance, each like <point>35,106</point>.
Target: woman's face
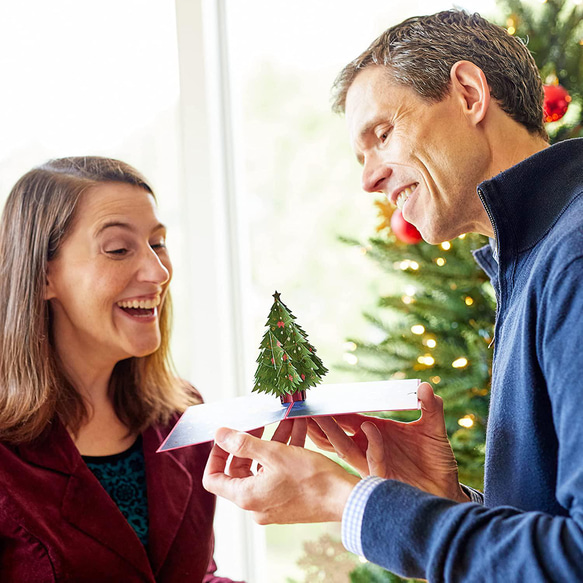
<point>109,279</point>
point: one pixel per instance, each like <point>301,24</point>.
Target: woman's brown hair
<point>37,217</point>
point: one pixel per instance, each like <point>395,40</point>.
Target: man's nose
<point>374,175</point>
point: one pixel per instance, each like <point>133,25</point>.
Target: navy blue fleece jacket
<point>531,527</point>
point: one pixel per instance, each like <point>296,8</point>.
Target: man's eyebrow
<point>126,226</point>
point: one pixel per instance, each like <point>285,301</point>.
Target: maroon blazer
<point>57,523</point>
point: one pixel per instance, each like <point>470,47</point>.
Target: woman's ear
<point>469,83</point>
<point>49,287</point>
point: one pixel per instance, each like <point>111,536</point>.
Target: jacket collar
<point>53,450</point>
<point>168,498</point>
<point>526,200</point>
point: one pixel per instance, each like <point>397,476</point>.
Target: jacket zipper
<point>488,212</point>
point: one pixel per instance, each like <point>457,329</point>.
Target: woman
<point>86,390</point>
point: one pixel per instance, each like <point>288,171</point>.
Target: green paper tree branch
<point>287,362</point>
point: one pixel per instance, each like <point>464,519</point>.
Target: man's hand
<point>417,453</point>
<point>291,485</point>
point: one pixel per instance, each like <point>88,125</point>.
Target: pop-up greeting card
<point>287,367</point>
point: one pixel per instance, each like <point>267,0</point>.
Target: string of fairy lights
<point>429,341</point>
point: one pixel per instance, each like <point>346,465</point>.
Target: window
<point>298,185</point>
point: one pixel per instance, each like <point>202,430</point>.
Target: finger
<point>375,452</point>
<point>217,482</point>
<point>350,422</point>
<point>318,436</point>
<point>217,459</point>
<point>241,467</point>
<point>343,444</point>
<point>299,431</point>
<point>216,464</point>
<point>283,431</point>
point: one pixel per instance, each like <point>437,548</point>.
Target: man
<point>445,116</point>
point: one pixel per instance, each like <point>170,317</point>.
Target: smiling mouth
<point>140,308</point>
<point>404,195</point>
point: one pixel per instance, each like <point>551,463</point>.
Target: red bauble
<point>403,230</point>
<point>556,102</point>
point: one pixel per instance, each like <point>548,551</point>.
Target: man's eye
<point>116,251</point>
<point>160,245</point>
<point>383,134</point>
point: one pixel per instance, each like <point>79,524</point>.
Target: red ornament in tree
<point>403,230</point>
<point>556,102</point>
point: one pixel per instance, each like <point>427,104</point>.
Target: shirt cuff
<point>354,512</point>
<point>475,495</point>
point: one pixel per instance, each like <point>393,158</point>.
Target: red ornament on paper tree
<point>403,230</point>
<point>556,102</point>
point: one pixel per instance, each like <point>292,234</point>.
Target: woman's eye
<point>159,245</point>
<point>117,252</point>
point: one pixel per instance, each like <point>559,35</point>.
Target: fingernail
<point>229,439</point>
<point>224,436</point>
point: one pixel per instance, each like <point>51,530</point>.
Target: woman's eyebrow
<point>127,226</point>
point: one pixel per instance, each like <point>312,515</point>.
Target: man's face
<point>425,157</point>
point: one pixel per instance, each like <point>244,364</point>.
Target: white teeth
<point>144,304</point>
<point>403,196</point>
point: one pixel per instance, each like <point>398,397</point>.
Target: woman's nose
<point>154,269</point>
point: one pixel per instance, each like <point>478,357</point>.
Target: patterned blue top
<point>123,476</point>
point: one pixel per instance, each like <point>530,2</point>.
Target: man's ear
<point>469,83</point>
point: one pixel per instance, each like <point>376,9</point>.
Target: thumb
<point>238,443</point>
<point>431,406</point>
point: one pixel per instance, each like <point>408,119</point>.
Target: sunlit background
<point>225,106</point>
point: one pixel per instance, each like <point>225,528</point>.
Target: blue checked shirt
<point>354,511</point>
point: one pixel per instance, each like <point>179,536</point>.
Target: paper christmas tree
<point>287,362</point>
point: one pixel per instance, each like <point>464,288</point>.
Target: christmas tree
<point>437,327</point>
<point>287,362</point>
<point>553,32</point>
